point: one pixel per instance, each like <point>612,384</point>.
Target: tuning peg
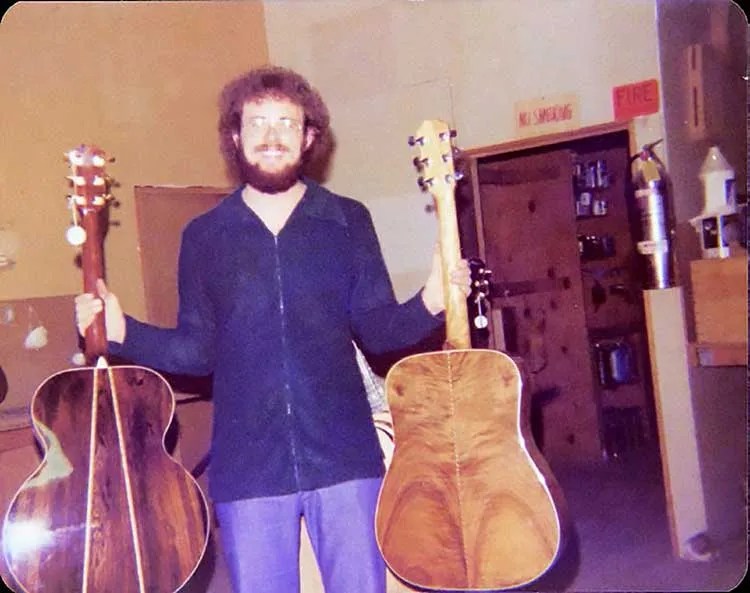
<point>76,156</point>
<point>420,162</point>
<point>73,157</point>
<point>451,178</point>
<point>482,286</point>
<point>447,135</point>
<point>423,183</point>
<point>75,200</point>
<point>76,180</point>
<point>414,140</point>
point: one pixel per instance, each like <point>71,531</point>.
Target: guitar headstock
<point>436,162</point>
<point>90,187</point>
<point>480,291</point>
<point>480,278</point>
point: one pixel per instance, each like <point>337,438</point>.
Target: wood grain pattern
<point>467,502</point>
<point>112,512</point>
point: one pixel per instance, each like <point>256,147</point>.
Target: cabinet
<point>611,278</point>
<point>719,302</point>
<point>554,225</point>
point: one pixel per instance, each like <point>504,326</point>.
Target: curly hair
<point>278,83</point>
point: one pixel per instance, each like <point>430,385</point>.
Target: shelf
<point>17,438</point>
<point>612,332</point>
<point>704,354</point>
<point>582,217</point>
<point>14,418</point>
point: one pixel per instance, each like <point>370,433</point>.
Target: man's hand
<point>432,294</point>
<point>88,306</point>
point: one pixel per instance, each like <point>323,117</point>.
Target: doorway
<point>552,219</point>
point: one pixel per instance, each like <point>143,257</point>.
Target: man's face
<point>271,142</point>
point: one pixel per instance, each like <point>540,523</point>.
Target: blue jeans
<point>261,539</point>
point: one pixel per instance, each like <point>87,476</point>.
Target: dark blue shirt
<point>273,318</point>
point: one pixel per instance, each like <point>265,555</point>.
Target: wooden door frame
<point>547,140</point>
<point>472,156</point>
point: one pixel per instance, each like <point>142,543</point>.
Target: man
<point>274,284</point>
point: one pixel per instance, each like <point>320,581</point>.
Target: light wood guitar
<point>467,502</point>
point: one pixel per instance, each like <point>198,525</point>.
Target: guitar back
<point>467,502</point>
<point>108,509</point>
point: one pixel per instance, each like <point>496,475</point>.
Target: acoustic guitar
<point>108,509</point>
<point>468,503</point>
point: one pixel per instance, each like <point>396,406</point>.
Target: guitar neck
<point>436,163</point>
<point>92,264</point>
<point>456,314</point>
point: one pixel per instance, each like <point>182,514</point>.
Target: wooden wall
<point>139,79</point>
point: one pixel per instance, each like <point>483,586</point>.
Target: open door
<point>538,302</point>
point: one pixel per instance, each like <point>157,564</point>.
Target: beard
<point>269,182</point>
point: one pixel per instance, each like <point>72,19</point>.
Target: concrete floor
<point>620,540</point>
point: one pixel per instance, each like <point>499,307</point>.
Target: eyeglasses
<point>260,124</point>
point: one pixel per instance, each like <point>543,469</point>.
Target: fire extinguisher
<point>650,183</point>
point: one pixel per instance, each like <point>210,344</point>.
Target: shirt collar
<point>317,202</point>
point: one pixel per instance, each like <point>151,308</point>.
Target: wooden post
<point>668,349</point>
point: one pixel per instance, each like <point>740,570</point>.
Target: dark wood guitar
<point>468,502</point>
<point>108,510</point>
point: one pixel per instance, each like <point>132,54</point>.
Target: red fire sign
<point>639,98</point>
